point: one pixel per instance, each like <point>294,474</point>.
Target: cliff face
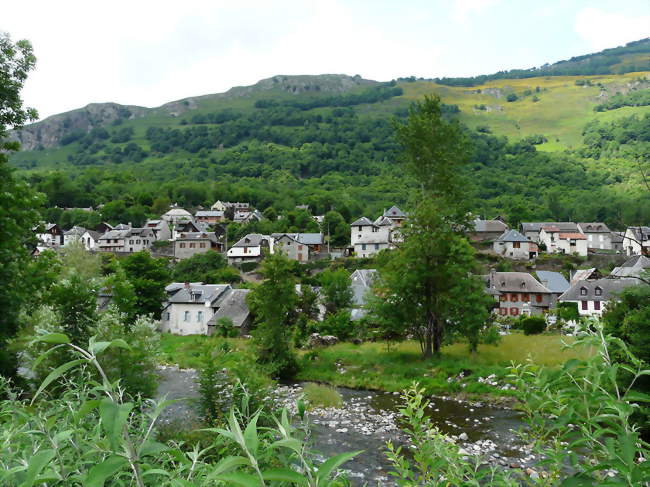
<point>49,132</point>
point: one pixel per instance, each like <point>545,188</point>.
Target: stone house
<point>368,238</point>
<point>636,241</point>
<point>236,206</point>
<point>90,239</point>
<point>599,236</point>
<point>554,282</point>
<point>513,245</point>
<point>395,215</point>
<point>250,248</point>
<point>487,230</point>
<point>635,266</point>
<point>298,246</point>
<point>518,293</point>
<point>195,308</point>
<point>73,235</point>
<point>129,240</point>
<point>49,235</point>
<point>592,296</point>
<point>211,217</point>
<point>189,244</point>
<point>531,230</point>
<point>560,242</point>
<point>160,228</point>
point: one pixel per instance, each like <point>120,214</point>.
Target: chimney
<point>187,285</point>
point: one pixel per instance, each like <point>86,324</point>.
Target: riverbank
<point>374,366</point>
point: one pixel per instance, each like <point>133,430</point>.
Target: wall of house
<point>507,249</point>
<point>184,249</point>
<point>588,307</point>
<point>366,250</point>
<point>369,232</point>
<point>599,241</point>
<point>174,319</point>
<point>517,303</point>
<point>579,248</point>
<point>136,243</point>
<point>292,249</point>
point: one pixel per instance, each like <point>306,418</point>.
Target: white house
<point>195,308</point>
<point>599,236</point>
<point>90,239</point>
<point>368,237</point>
<point>636,241</point>
<point>73,235</point>
<point>250,248</point>
<point>160,228</point>
<point>560,242</point>
<point>514,245</point>
<point>298,246</point>
<point>531,230</point>
<point>129,240</point>
<point>49,234</point>
<point>592,296</point>
<point>177,215</point>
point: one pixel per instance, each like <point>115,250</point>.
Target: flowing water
<point>369,419</point>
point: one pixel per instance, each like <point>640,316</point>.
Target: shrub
<point>248,266</point>
<point>225,328</point>
<point>511,97</point>
<point>568,311</point>
<point>322,396</point>
<point>337,324</point>
<point>533,325</point>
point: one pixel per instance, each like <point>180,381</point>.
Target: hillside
<point>544,147</point>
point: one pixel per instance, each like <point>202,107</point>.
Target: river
<point>368,419</point>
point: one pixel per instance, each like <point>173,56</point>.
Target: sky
<point>147,53</point>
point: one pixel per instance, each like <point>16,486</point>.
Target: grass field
<point>372,366</point>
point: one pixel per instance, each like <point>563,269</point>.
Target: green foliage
<point>225,328</point>
<point>208,267</point>
<point>248,266</point>
<point>512,97</point>
<point>533,325</point>
<point>321,396</point>
<point>337,324</point>
<point>273,304</point>
<point>568,311</point>
<point>628,318</point>
<point>76,301</point>
<point>639,98</point>
<point>149,276</point>
<point>336,290</point>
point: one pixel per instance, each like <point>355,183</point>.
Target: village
<point>198,307</point>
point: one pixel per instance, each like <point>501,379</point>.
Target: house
<point>250,248</point>
<point>361,282</point>
<point>298,246</point>
<point>514,245</point>
<point>554,282</point>
<point>585,274</point>
<point>176,216</point>
<point>188,226</point>
<point>103,227</point>
<point>617,241</point>
<point>195,308</point>
<point>160,229</point>
<point>487,230</point>
<point>236,206</point>
<point>531,230</point>
<point>592,296</point>
<point>211,217</point>
<point>129,240</point>
<point>633,267</point>
<point>73,235</point>
<point>560,242</point>
<point>636,241</point>
<point>189,244</point>
<point>395,215</point>
<point>518,293</point>
<point>90,239</point>
<point>49,235</point>
<point>368,237</point>
<point>245,217</point>
<point>599,236</point>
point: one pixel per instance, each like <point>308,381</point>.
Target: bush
<point>533,325</point>
<point>511,97</point>
<point>568,311</point>
<point>337,324</point>
<point>248,266</point>
<point>321,396</point>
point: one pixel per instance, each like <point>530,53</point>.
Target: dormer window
<point>583,291</point>
<point>375,229</point>
<point>598,291</point>
<point>523,285</point>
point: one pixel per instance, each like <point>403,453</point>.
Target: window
<point>514,311</point>
<point>186,317</point>
<point>167,316</point>
<point>376,246</point>
<point>245,250</point>
<point>192,245</point>
<point>597,305</point>
<point>503,311</point>
<point>360,228</point>
<point>516,245</point>
<point>503,297</point>
<point>375,229</point>
<point>599,291</point>
<point>585,305</point>
<point>137,241</point>
<point>525,298</point>
<point>199,316</point>
<point>538,298</point>
<point>514,297</point>
<point>363,246</point>
<point>182,245</point>
<point>583,291</point>
<point>130,242</point>
<point>202,245</point>
<point>299,247</point>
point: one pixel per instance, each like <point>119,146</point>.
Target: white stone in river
<point>462,436</point>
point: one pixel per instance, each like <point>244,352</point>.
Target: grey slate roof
<point>512,236</point>
<point>489,226</point>
<point>197,236</point>
<point>597,227</point>
<point>76,230</point>
<point>394,212</point>
<point>634,266</point>
<point>363,222</point>
<point>515,282</point>
<point>303,238</point>
<point>361,282</point>
<point>232,304</point>
<point>537,226</point>
<point>383,221</point>
<point>640,233</point>
<point>250,240</point>
<point>198,294</point>
<point>609,288</point>
<point>208,213</point>
<point>554,281</point>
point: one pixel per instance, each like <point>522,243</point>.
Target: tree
<point>18,203</point>
<point>209,267</point>
<point>628,318</point>
<point>336,290</point>
<point>123,295</point>
<point>149,277</point>
<point>273,304</point>
<point>427,279</point>
<point>338,229</point>
<point>76,302</point>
